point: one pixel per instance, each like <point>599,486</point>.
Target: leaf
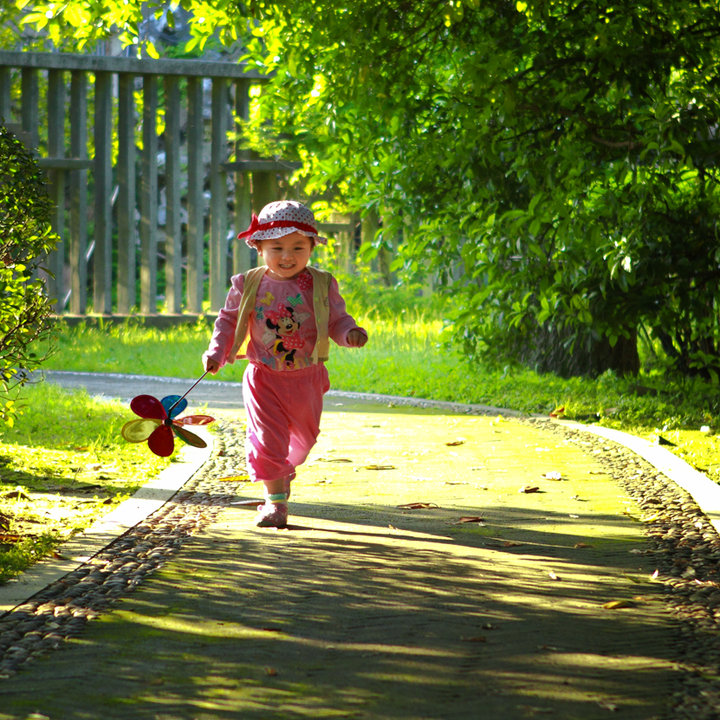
<point>582,545</point>
<point>454,443</point>
<point>618,604</point>
<point>6,537</point>
<point>470,519</point>
<point>529,489</point>
<point>335,460</point>
<point>380,467</point>
<point>417,506</point>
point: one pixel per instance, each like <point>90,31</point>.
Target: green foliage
<point>552,164</point>
<point>25,239</point>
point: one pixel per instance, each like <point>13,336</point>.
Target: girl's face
<point>286,256</point>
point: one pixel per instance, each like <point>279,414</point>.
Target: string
<point>177,402</point>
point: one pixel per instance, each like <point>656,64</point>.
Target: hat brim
<point>278,232</point>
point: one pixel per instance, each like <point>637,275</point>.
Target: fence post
<point>148,199</point>
<point>77,255</point>
<point>5,95</point>
<point>102,255</point>
<point>243,190</point>
<point>196,224</point>
<point>173,238</point>
<point>126,202</point>
<point>218,195</point>
<point>56,151</point>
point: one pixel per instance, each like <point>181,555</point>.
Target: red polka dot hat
<point>281,218</point>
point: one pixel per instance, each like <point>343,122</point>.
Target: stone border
<point>70,555</point>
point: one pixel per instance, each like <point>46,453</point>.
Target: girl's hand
<point>356,338</point>
<point>212,366</point>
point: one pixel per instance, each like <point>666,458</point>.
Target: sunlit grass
<point>62,464</point>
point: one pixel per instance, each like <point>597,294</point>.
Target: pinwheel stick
<point>187,392</point>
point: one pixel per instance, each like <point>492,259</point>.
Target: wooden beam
<point>134,66</point>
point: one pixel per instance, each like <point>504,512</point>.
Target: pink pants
<point>283,418</point>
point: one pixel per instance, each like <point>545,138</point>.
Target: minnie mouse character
<point>287,336</point>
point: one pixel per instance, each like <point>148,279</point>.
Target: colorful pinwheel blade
<point>189,437</point>
<point>137,431</point>
<point>194,420</point>
<point>161,441</point>
<point>170,400</point>
<point>147,406</point>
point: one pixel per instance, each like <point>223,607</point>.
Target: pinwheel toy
<point>158,422</point>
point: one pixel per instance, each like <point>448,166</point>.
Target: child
<point>280,317</point>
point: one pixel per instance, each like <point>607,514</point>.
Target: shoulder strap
<point>251,283</point>
<point>321,306</point>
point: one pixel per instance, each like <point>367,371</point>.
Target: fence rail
<point>149,193</point>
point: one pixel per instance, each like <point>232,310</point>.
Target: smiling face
<point>286,256</point>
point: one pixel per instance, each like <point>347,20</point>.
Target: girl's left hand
<point>356,338</point>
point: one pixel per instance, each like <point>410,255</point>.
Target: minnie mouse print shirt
<point>282,325</point>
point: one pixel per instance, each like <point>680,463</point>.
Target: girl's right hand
<point>212,366</point>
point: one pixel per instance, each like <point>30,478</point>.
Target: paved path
<point>437,566</point>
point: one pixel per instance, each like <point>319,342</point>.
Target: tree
<point>553,162</point>
<point>25,239</point>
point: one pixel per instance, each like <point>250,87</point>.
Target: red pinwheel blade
<point>147,406</point>
<point>194,420</point>
<point>161,441</point>
<point>189,437</point>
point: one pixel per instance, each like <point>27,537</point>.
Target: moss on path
<point>416,581</point>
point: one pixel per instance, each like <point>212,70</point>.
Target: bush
<point>25,239</point>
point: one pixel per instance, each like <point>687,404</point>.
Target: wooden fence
<point>148,195</point>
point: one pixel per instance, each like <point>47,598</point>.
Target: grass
<point>64,462</point>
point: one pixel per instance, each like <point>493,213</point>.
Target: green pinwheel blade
<point>189,437</point>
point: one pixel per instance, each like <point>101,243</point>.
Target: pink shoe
<point>272,515</point>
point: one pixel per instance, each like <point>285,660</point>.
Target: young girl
<point>280,317</point>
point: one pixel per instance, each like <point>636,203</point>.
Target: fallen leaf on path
<point>337,460</point>
<point>10,538</point>
<point>417,506</point>
<point>612,707</point>
<point>618,604</point>
<point>16,494</point>
<point>529,489</point>
<point>448,482</point>
<point>582,545</point>
<point>470,519</point>
<point>454,443</point>
<point>380,467</point>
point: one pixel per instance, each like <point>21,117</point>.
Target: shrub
<point>25,239</point>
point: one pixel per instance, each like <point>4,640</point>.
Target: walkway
<point>437,565</point>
